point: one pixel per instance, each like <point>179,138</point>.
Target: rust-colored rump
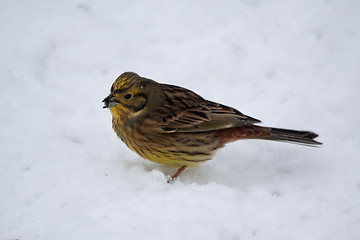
<point>244,132</point>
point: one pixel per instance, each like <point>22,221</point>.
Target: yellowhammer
<point>174,126</point>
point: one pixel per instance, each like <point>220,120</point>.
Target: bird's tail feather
<point>293,136</point>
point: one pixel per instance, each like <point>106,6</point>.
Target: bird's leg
<point>177,173</point>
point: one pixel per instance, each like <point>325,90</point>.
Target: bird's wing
<point>185,111</point>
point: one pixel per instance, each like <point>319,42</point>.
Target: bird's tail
<point>293,136</point>
<point>269,133</point>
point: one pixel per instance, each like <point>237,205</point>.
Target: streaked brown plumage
<point>174,126</point>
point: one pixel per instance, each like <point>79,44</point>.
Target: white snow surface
<point>293,64</point>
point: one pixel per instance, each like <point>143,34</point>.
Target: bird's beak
<point>110,102</point>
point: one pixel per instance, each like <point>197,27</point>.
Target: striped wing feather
<point>185,111</point>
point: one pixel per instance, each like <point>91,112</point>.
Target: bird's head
<point>131,95</point>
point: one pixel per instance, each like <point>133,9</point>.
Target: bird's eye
<point>128,96</point>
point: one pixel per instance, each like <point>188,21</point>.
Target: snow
<point>293,64</point>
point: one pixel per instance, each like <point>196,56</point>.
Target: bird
<point>174,126</point>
